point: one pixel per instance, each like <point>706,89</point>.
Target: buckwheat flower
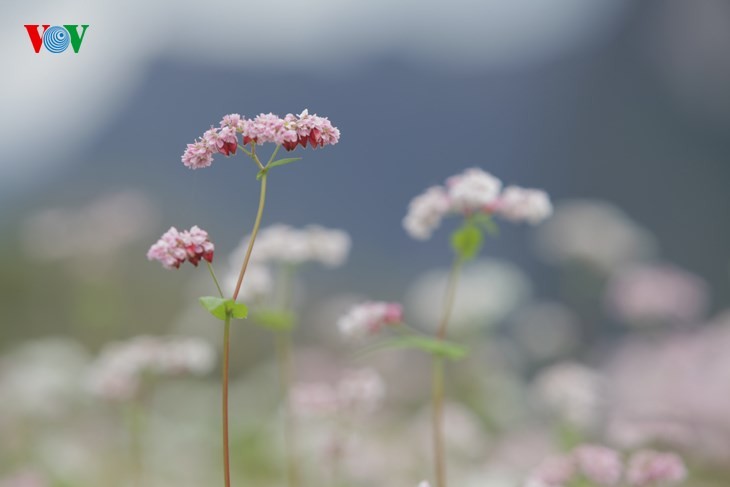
<point>118,372</point>
<point>554,471</point>
<point>267,127</point>
<point>310,129</point>
<point>233,121</point>
<point>650,294</point>
<point>572,391</point>
<point>25,478</point>
<point>425,213</point>
<point>602,466</point>
<point>648,468</point>
<point>313,399</point>
<point>361,390</point>
<point>369,318</point>
<point>175,247</point>
<point>473,190</point>
<point>223,140</point>
<point>328,246</point>
<point>522,204</point>
<point>288,245</point>
<point>197,155</point>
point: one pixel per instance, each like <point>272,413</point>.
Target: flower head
<point>288,245</point>
<point>602,466</point>
<point>175,247</point>
<point>198,155</point>
<point>369,318</point>
<point>651,468</point>
<point>474,192</point>
<point>522,204</point>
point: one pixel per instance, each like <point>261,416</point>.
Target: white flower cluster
<point>572,391</point>
<point>474,191</point>
<point>117,373</point>
<point>285,244</point>
<point>357,391</point>
<point>369,318</point>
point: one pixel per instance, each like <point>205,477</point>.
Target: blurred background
<point>619,110</point>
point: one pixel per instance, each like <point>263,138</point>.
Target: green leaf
<point>273,319</point>
<point>281,162</point>
<point>467,241</point>
<point>442,348</point>
<point>221,308</point>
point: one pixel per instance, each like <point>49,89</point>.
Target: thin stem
<point>226,357</point>
<point>136,428</point>
<point>244,150</point>
<point>215,279</point>
<point>273,154</point>
<point>254,232</point>
<point>437,413</point>
<point>449,298</point>
<point>437,391</point>
<point>283,357</point>
<point>255,157</point>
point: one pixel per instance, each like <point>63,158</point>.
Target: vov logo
<point>56,38</point>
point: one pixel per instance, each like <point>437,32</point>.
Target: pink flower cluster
<point>369,318</point>
<point>289,132</point>
<point>604,467</point>
<point>175,247</point>
<point>474,191</point>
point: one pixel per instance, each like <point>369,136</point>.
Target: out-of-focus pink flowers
<point>604,467</point>
<point>657,294</point>
<point>369,318</point>
<point>26,478</point>
<point>359,391</point>
<point>648,468</point>
<point>175,247</point>
<point>474,191</point>
<point>290,131</point>
<point>599,464</point>
<point>121,367</point>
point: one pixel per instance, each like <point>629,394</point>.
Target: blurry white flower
<point>545,330</point>
<point>288,245</point>
<point>473,190</point>
<point>41,378</point>
<point>258,283</point>
<point>593,231</point>
<point>120,367</point>
<point>650,294</point>
<point>425,213</point>
<point>358,391</point>
<point>572,391</point>
<point>522,204</point>
<point>100,228</point>
<point>369,318</point>
<point>488,290</point>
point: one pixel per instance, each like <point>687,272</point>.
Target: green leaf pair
<point>467,241</point>
<point>224,308</point>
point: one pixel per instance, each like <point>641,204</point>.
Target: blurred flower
<point>520,204</point>
<point>318,131</point>
<point>41,378</point>
<point>98,229</point>
<point>473,191</point>
<point>369,318</point>
<point>425,212</point>
<point>356,392</point>
<point>656,294</point>
<point>174,247</point>
<point>593,231</point>
<point>288,245</point>
<point>572,391</point>
<point>554,471</point>
<point>545,330</point>
<point>120,368</point>
<point>25,478</point>
<point>488,291</point>
<point>258,283</point>
<point>599,464</point>
<point>648,468</point>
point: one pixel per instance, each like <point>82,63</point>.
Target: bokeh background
<point>620,110</point>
